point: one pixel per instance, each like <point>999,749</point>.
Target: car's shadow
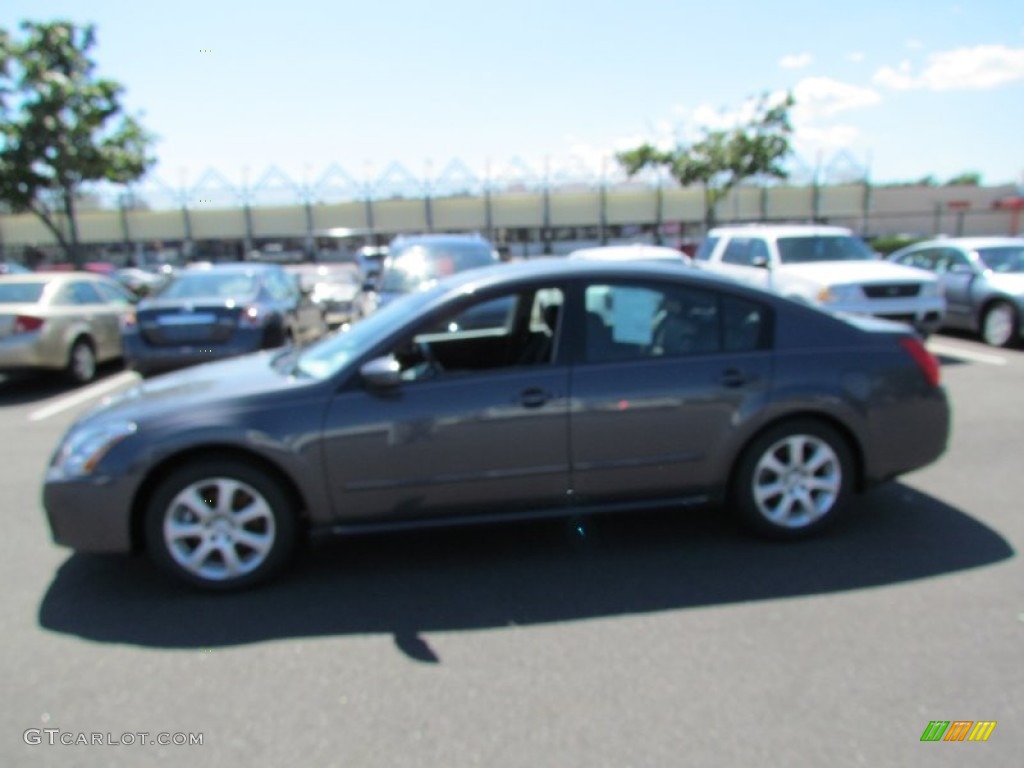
<point>22,388</point>
<point>483,578</point>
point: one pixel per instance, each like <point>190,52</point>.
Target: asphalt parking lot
<point>653,639</point>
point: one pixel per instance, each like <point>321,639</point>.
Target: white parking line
<point>83,395</point>
<point>938,348</point>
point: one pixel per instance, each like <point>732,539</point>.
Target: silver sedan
<point>983,278</point>
<point>67,322</point>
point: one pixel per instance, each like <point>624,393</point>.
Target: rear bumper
<point>147,358</point>
<point>30,351</point>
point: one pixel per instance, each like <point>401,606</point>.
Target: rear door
<point>664,374</point>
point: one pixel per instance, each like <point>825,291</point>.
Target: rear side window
<point>20,293</point>
<point>745,325</point>
<point>706,248</point>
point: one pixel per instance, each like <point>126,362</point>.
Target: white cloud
<point>978,68</point>
<point>818,97</point>
<point>796,61</point>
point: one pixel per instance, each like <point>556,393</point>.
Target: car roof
<point>781,230</point>
<point>436,237</point>
<point>54,277</point>
<point>628,252</point>
<point>970,243</point>
<point>236,266</point>
<point>560,268</point>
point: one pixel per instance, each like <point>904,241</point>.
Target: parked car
<point>215,311</point>
<point>141,282</point>
<point>826,266</point>
<point>689,389</point>
<point>983,278</point>
<point>67,321</point>
<point>416,262</point>
<point>334,288</point>
<point>12,268</point>
<point>633,252</point>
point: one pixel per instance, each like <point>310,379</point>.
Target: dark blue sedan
<point>212,312</point>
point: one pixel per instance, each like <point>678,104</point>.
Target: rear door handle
<point>534,397</point>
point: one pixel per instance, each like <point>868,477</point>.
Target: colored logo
<point>958,730</point>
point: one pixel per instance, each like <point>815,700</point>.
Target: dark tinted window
<point>84,293</point>
<point>21,293</point>
<point>412,266</point>
<point>803,250</point>
<point>738,252</point>
<point>1003,258</point>
<point>704,251</point>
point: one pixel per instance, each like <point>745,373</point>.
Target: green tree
<point>965,179</point>
<point>721,159</point>
<point>61,126</point>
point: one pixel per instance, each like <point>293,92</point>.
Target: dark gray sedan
<point>601,386</point>
<point>983,278</point>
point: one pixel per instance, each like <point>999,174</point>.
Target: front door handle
<point>732,378</point>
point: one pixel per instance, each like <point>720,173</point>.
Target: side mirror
<point>760,262</point>
<point>961,269</point>
<point>382,372</point>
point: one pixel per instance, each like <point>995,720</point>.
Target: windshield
<point>417,266</point>
<point>327,357</point>
<point>806,250</point>
<point>1003,258</point>
<point>205,285</point>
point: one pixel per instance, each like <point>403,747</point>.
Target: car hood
<point>855,272</point>
<point>210,384</point>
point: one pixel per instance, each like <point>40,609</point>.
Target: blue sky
<point>905,88</point>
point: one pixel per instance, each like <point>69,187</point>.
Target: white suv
<point>826,266</point>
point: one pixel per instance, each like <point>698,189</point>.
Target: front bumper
<point>89,514</point>
<point>924,315</point>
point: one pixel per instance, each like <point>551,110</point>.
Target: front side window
<point>508,331</point>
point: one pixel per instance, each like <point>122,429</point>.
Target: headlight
<point>83,447</point>
<point>931,290</point>
<point>833,294</point>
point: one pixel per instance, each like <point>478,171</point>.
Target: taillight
<point>251,316</point>
<point>128,320</point>
<point>926,361</point>
<point>26,324</point>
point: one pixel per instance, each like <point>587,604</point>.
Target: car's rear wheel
<point>81,367</point>
<point>793,480</point>
<point>221,525</point>
<point>999,326</point>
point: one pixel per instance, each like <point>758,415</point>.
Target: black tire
<point>275,336</point>
<point>1000,325</point>
<point>228,552</point>
<point>81,367</point>
<point>781,495</point>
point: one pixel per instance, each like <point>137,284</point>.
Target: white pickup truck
<point>826,266</point>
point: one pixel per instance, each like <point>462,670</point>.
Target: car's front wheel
<point>793,480</point>
<point>221,525</point>
<point>999,326</point>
